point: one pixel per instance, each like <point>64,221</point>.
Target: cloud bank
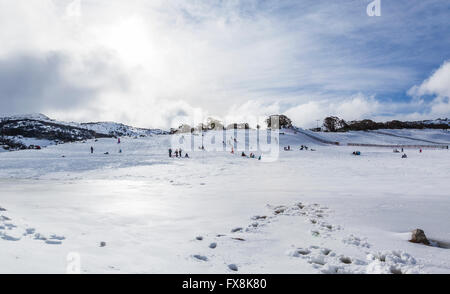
<point>161,63</point>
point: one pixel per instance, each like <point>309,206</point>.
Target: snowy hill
<point>322,211</point>
<point>31,130</point>
<point>118,129</point>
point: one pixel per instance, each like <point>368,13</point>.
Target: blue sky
<point>159,63</point>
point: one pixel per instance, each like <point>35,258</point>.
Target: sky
<point>161,63</point>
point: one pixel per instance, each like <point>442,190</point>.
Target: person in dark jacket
<point>170,152</point>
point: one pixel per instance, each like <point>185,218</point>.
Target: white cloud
<point>181,60</point>
<point>356,107</point>
<point>437,84</point>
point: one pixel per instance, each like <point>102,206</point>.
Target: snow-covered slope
<point>323,211</point>
<point>438,121</point>
<point>18,132</point>
<point>426,135</point>
<point>120,130</point>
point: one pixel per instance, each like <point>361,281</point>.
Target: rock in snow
<point>418,236</point>
<point>201,257</point>
<point>233,267</point>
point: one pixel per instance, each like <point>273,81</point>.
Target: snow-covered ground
<point>403,137</point>
<point>31,141</point>
<point>322,211</point>
<point>435,135</point>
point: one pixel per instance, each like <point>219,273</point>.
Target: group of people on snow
<point>302,147</point>
<point>178,153</point>
<point>252,155</point>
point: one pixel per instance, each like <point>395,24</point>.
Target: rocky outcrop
<point>418,236</point>
<point>335,124</point>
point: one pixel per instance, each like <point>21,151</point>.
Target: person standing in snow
<point>179,152</point>
<point>118,140</point>
<point>92,149</point>
<point>170,152</point>
<point>176,152</point>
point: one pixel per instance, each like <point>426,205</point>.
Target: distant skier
<point>170,152</point>
<point>186,155</point>
<point>118,140</point>
<point>420,150</point>
<point>92,149</point>
<point>176,152</point>
<point>243,154</point>
<point>179,152</point>
<point>404,155</point>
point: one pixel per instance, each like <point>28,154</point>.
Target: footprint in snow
<point>200,257</point>
<point>10,226</point>
<point>29,231</point>
<point>9,237</point>
<point>56,237</point>
<point>53,242</point>
<point>39,236</point>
